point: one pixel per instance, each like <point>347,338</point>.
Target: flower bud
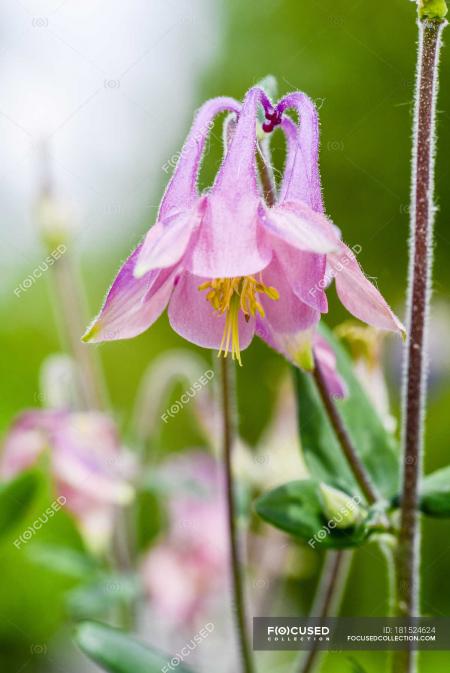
<point>432,9</point>
<point>53,220</point>
<point>340,508</point>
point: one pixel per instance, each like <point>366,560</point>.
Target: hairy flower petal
<point>166,242</point>
<point>132,304</point>
<point>305,272</point>
<point>327,361</point>
<point>182,192</point>
<point>192,316</point>
<point>230,242</point>
<point>288,313</point>
<point>359,295</point>
<point>301,181</point>
<point>301,227</point>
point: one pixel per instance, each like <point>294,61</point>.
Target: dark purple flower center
<point>273,117</point>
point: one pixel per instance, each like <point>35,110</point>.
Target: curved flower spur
<point>309,273</point>
<point>225,263</point>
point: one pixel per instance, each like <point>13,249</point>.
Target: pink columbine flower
<point>226,264</point>
<point>88,466</point>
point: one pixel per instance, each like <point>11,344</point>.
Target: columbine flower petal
<point>182,192</point>
<point>301,183</point>
<point>288,314</point>
<point>230,243</point>
<point>193,317</point>
<point>359,295</point>
<point>166,242</point>
<point>180,209</point>
<point>305,272</point>
<point>132,304</point>
<point>302,228</point>
<point>326,357</point>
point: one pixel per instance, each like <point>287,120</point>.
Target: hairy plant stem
<point>356,466</point>
<point>228,432</point>
<point>331,586</point>
<point>419,291</point>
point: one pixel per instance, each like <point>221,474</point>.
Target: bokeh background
<point>111,87</point>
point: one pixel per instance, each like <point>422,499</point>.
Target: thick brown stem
<point>419,290</point>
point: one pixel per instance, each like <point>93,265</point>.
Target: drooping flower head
<point>225,263</point>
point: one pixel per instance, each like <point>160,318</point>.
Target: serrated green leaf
<point>298,509</point>
<point>15,498</point>
<point>117,652</point>
<point>435,493</point>
<point>376,447</point>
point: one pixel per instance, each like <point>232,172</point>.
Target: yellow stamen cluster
<point>231,295</point>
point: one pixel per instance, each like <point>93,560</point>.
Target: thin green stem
<point>235,560</point>
<point>419,292</point>
<point>73,320</point>
<point>328,597</point>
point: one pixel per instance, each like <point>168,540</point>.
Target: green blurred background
<point>357,60</point>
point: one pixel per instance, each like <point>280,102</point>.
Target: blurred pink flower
<point>87,463</point>
<point>185,571</point>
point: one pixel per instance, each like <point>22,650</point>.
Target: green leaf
<point>15,498</point>
<point>356,666</point>
<point>94,599</point>
<point>63,560</point>
<point>435,493</point>
<point>376,447</point>
<point>117,652</point>
<point>298,509</point>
